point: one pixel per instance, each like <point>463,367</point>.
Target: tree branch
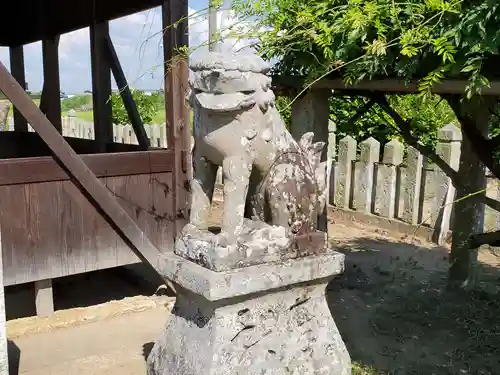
<point>489,238</point>
<point>405,131</point>
<point>494,142</point>
<point>404,127</point>
<point>361,112</point>
<point>493,203</point>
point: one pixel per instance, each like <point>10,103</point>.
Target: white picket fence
<point>74,127</point>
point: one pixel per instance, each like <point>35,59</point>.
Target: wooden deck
<point>49,229</point>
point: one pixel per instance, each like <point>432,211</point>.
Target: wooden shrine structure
<point>72,205</point>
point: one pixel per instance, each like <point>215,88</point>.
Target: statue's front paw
<point>189,229</point>
<point>222,239</point>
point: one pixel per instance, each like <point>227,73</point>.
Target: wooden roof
<point>27,21</point>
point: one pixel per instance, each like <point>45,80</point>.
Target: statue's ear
<point>306,141</point>
<point>317,148</point>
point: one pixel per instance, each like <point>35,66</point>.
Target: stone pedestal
<point>265,319</point>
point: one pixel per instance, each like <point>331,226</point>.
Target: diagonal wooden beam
<point>97,194</point>
<point>404,129</point>
<point>126,94</point>
<point>360,112</point>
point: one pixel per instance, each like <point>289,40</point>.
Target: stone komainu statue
<point>269,178</point>
<point>272,317</point>
<point>4,112</point>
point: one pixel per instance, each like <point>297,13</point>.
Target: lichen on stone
<point>268,176</point>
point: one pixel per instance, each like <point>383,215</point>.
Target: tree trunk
<point>469,213</point>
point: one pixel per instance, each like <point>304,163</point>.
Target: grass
<point>158,118</point>
<point>82,115</point>
<point>359,369</point>
<point>79,101</point>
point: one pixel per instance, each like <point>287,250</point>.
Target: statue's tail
<point>313,152</point>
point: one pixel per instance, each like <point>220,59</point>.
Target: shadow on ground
<point>85,290</point>
<point>396,316</point>
<point>146,349</point>
<point>14,357</point>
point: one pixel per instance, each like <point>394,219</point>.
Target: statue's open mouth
<point>225,102</point>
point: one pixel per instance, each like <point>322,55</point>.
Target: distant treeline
<point>76,102</point>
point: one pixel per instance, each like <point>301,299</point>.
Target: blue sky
<point>137,39</point>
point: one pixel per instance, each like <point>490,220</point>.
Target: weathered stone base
<point>258,243</point>
<point>258,320</point>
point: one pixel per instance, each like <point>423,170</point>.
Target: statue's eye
<point>248,92</point>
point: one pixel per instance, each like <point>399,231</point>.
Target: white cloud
<point>137,39</point>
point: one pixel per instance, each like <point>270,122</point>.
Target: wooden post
<point>17,69</point>
<point>177,114</point>
<point>4,358</point>
<point>101,85</point>
<point>50,103</point>
<point>44,298</point>
<point>311,113</point>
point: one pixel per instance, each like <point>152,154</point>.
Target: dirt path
<point>395,314</point>
<point>390,305</point>
<point>393,310</point>
<point>84,315</point>
<point>116,346</point>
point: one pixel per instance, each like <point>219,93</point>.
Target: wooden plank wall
<point>49,229</point>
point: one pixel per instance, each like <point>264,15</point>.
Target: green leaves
<point>444,47</point>
<point>428,115</point>
<point>216,4</point>
<point>376,47</point>
<point>476,83</point>
<point>147,105</point>
<point>428,40</point>
<point>430,80</point>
